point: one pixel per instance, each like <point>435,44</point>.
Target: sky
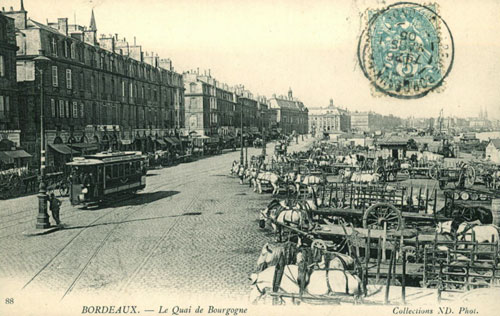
<point>310,46</point>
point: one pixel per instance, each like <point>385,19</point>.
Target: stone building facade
<point>290,114</point>
<point>9,117</point>
<point>98,93</point>
<point>328,120</point>
<point>215,109</point>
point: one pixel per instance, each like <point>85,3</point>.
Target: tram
<point>98,177</point>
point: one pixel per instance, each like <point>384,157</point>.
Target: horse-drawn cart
<point>17,181</point>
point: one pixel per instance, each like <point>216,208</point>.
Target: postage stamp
<point>406,50</point>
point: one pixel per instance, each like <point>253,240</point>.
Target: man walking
<point>55,206</point>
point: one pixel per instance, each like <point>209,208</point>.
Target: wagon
<point>16,181</point>
<point>463,176</point>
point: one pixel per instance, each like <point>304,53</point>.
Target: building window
<point>92,83</point>
<point>82,81</point>
<point>66,49</point>
<point>75,109</point>
<point>53,109</point>
<point>73,50</point>
<point>82,110</point>
<point>131,90</point>
<point>54,46</point>
<point>68,112</point>
<point>2,66</point>
<point>61,108</point>
<point>55,81</point>
<point>68,79</point>
<point>3,113</point>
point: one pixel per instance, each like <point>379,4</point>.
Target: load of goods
<point>350,227</point>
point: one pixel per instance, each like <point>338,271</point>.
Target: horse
<point>241,173</point>
<point>279,212</point>
<point>270,255</point>
<point>360,177</point>
<point>483,233</point>
<point>321,282</point>
<point>311,181</point>
<point>235,167</point>
<point>274,179</point>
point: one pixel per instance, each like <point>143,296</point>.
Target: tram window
<point>121,169</point>
<point>115,171</point>
<point>108,172</point>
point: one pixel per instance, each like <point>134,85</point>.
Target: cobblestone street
<point>194,229</point>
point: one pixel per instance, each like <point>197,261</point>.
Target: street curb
<point>38,232</point>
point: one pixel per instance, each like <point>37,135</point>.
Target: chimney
<point>20,17</point>
<point>209,72</point>
<point>134,42</point>
<point>116,36</point>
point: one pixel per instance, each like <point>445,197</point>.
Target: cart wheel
<point>411,254</point>
<point>474,196</point>
<point>434,172</point>
<point>292,189</point>
<point>376,215</point>
<point>468,214</point>
<point>456,196</point>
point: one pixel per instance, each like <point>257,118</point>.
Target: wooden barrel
<point>495,211</point>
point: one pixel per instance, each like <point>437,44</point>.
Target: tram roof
<point>105,157</point>
<point>85,162</point>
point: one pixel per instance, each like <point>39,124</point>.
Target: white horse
<point>273,179</point>
<point>360,177</point>
<point>483,233</point>
<point>270,255</point>
<point>235,167</point>
<point>278,212</point>
<point>311,181</point>
<point>321,282</point>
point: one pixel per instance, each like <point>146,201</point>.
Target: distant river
<point>487,135</point>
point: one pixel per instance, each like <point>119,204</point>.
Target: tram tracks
<point>110,233</point>
<point>78,214</point>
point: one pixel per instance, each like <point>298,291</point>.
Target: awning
<point>169,140</point>
<point>6,158</point>
<point>126,141</point>
<point>63,149</point>
<point>85,146</point>
<point>15,154</point>
<point>161,142</point>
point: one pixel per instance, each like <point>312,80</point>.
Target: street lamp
<point>241,134</point>
<point>263,135</point>
<point>42,220</point>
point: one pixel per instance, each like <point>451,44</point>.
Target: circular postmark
<point>406,50</point>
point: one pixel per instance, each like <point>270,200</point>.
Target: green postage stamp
<point>406,50</point>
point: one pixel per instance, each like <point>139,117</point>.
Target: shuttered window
<point>55,80</point>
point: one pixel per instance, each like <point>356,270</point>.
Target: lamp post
<point>241,134</point>
<point>42,220</point>
<point>263,134</point>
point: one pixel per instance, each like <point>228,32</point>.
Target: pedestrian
<point>55,205</point>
